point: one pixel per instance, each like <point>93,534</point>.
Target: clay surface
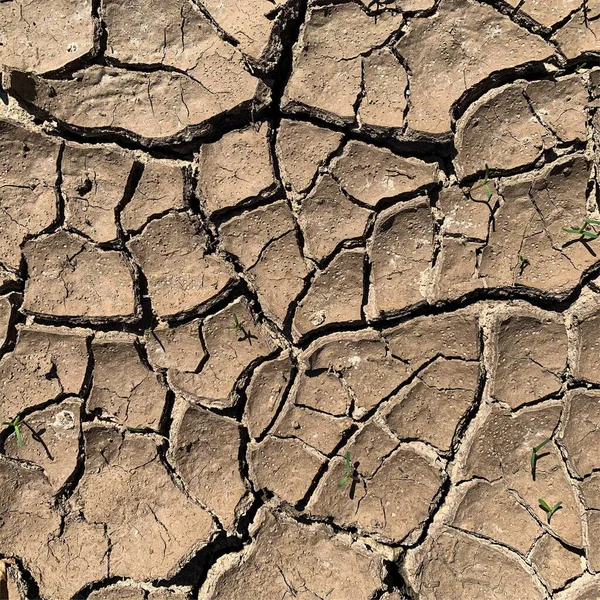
<point>299,299</point>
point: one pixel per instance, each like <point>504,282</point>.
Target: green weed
<point>485,184</point>
<point>15,424</point>
<point>349,472</point>
<point>549,511</point>
<point>581,68</point>
<point>239,326</point>
<point>534,456</point>
<point>583,230</point>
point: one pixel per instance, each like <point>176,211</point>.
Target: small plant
<point>581,68</point>
<point>583,230</point>
<point>485,184</point>
<point>549,511</point>
<point>534,456</point>
<point>239,326</point>
<point>349,472</point>
<point>15,424</point>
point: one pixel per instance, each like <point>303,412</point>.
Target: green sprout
<point>485,184</point>
<point>349,472</point>
<point>583,230</point>
<point>15,425</point>
<point>581,68</point>
<point>239,326</point>
<point>549,511</point>
<point>534,456</point>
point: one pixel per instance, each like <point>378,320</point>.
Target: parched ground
<point>287,300</point>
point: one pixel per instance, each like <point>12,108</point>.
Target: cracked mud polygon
<point>290,290</point>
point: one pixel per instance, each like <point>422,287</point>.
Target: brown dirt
<point>287,300</point>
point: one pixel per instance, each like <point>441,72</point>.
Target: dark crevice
<point>269,196</point>
<point>397,582</point>
<point>33,590</point>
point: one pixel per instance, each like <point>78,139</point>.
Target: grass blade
<point>20,441</point>
<point>553,510</point>
<point>343,481</point>
<point>540,446</point>
<point>348,475</point>
<point>549,511</point>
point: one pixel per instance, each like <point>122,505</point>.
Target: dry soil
<point>287,300</point>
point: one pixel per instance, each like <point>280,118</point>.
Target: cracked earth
<point>272,328</point>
